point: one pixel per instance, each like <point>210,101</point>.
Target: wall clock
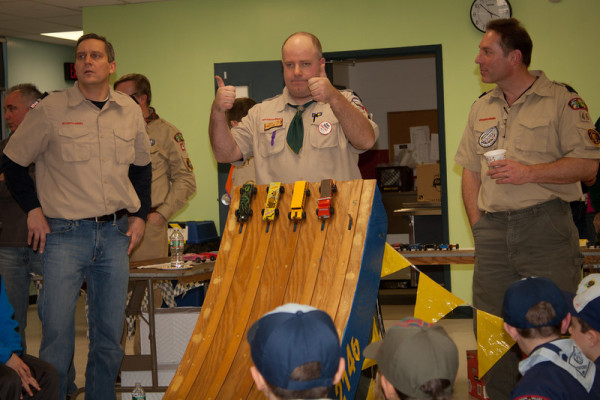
<point>483,11</point>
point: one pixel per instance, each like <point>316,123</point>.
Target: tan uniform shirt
<point>548,122</point>
<point>325,153</point>
<point>82,154</point>
<point>173,179</point>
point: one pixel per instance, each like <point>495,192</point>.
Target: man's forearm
<point>224,147</point>
<point>20,184</point>
<point>356,126</point>
<point>471,183</point>
<point>565,170</point>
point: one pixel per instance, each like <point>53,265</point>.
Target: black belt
<point>107,217</point>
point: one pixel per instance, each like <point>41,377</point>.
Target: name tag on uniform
<point>273,123</point>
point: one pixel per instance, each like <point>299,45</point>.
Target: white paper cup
<point>495,155</point>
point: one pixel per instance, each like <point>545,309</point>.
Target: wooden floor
<point>258,269</point>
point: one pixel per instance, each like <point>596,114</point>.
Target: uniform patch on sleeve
<point>178,137</point>
<point>188,164</point>
<point>356,101</point>
<point>577,103</point>
<point>272,123</point>
<point>594,136</point>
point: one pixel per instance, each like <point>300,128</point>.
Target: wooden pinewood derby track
<point>323,265</point>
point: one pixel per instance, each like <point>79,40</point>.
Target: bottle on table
<point>176,249</point>
<point>138,392</point>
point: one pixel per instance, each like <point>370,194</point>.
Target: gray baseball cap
<point>413,353</point>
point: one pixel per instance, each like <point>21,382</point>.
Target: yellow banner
<point>492,340</point>
<point>392,261</point>
<point>433,301</point>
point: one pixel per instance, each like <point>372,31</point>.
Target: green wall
<point>176,43</point>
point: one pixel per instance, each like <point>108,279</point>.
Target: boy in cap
<point>585,321</point>
<point>296,353</point>
<point>536,313</point>
<point>416,360</point>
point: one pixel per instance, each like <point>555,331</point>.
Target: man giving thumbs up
<point>312,131</point>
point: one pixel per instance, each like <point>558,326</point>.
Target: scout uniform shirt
<point>325,153</point>
<point>173,179</point>
<point>548,122</point>
<point>82,154</point>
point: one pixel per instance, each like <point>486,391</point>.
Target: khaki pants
<point>536,241</point>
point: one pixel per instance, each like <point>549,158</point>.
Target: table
<point>467,256</point>
<point>142,279</point>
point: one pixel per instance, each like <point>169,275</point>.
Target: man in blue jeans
<point>17,260</point>
<point>93,176</point>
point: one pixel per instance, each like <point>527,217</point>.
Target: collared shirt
<point>82,154</point>
<point>173,179</point>
<point>548,122</point>
<point>326,152</point>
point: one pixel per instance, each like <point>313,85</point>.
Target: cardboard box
<point>476,384</point>
<point>429,184</point>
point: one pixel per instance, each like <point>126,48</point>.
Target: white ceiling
<point>26,19</point>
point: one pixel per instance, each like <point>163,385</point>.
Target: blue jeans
<point>16,266</point>
<point>96,251</point>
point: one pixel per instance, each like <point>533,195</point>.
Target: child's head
<point>536,307</point>
<point>417,360</point>
<point>585,308</point>
<point>296,352</point>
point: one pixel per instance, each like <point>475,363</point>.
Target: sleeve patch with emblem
<point>188,163</point>
<point>577,103</point>
<point>178,137</point>
<point>594,136</point>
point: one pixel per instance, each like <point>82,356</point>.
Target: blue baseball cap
<point>526,293</point>
<point>290,336</point>
<point>586,303</point>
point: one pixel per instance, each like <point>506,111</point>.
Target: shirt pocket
<point>75,143</point>
<point>272,141</point>
<point>325,131</point>
<point>124,145</point>
<point>532,135</point>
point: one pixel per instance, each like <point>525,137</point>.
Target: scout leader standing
<point>93,177</point>
<point>173,179</point>
<point>312,131</point>
<point>518,208</point>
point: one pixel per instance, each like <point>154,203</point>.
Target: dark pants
<point>44,373</point>
<point>536,241</point>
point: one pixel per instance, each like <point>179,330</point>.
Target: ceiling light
<point>71,35</point>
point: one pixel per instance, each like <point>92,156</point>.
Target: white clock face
<point>482,11</point>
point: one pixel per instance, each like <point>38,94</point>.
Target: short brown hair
<point>240,109</point>
<point>539,315</point>
<point>304,372</point>
<point>142,84</point>
<point>513,36</point>
<point>110,52</point>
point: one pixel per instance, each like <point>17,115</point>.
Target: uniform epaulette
<point>568,87</point>
<point>35,103</point>
<point>484,93</point>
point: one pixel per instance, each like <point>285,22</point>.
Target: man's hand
<point>225,96</point>
<point>24,373</point>
<point>321,88</point>
<point>135,231</point>
<point>156,219</point>
<point>509,171</point>
<point>38,228</point>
